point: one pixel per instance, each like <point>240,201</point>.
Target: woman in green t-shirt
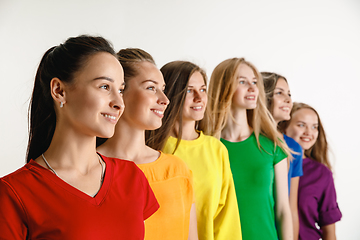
<point>238,115</point>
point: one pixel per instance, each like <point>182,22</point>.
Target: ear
<point>57,89</point>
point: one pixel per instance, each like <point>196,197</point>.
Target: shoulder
<point>22,175</point>
<point>292,144</point>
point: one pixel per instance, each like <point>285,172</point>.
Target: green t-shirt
<point>253,173</point>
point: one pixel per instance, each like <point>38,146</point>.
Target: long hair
<point>319,151</point>
<point>63,62</point>
<point>176,75</point>
<point>222,87</point>
<point>270,80</point>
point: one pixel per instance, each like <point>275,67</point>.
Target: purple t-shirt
<point>317,200</point>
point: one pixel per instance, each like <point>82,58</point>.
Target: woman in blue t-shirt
<point>279,103</point>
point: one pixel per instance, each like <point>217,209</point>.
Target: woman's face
<point>282,102</point>
<point>93,102</point>
<point>196,98</point>
<point>304,128</point>
<point>246,94</point>
<point>144,98</point>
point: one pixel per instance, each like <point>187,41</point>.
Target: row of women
<point>119,149</point>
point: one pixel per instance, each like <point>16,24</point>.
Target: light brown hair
<point>319,151</point>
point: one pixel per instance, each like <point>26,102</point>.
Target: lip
<point>250,97</point>
<point>158,112</point>
<point>305,139</point>
<point>113,118</point>
<point>197,108</point>
<point>285,108</point>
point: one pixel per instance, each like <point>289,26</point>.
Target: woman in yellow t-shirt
<point>168,175</point>
<point>206,156</point>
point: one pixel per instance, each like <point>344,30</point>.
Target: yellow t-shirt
<point>171,182</point>
<point>215,198</point>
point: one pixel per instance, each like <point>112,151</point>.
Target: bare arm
<point>293,198</point>
<point>328,232</point>
<point>282,206</point>
<point>193,234</point>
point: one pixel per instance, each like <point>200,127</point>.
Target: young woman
<point>257,158</point>
<point>318,209</point>
<point>279,103</point>
<point>67,190</point>
<point>169,177</point>
<point>207,157</point>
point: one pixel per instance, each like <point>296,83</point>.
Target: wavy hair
<point>319,151</point>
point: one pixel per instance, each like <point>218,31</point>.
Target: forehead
<point>243,70</point>
<point>196,79</point>
<point>306,115</point>
<point>148,71</point>
<point>281,83</point>
<point>101,64</point>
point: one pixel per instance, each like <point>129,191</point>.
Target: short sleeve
<point>151,205</point>
<point>12,214</point>
<point>329,211</point>
<point>279,155</point>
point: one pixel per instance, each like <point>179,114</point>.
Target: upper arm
<point>281,183</point>
<point>293,195</point>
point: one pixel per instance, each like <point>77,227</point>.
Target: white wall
<point>315,44</point>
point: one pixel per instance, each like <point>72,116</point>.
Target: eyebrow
<point>200,86</point>
<point>104,78</point>
<point>153,81</point>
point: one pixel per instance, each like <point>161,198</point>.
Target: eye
<point>152,88</point>
<point>301,125</point>
<point>315,127</point>
<point>278,93</point>
<point>105,86</point>
<point>189,91</point>
<point>254,83</point>
<point>203,90</point>
<point>241,82</point>
<point>121,90</point>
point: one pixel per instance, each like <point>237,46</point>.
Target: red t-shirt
<point>36,204</point>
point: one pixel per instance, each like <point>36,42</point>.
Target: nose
<point>162,98</point>
<point>117,102</point>
<point>197,96</point>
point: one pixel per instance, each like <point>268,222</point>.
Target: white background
<point>314,44</point>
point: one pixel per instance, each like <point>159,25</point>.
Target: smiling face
<point>93,102</point>
<point>303,128</point>
<point>196,98</point>
<point>282,102</point>
<point>144,98</point>
<point>246,94</point>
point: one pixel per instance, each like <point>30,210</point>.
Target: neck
<point>188,130</point>
<point>71,149</point>
<point>131,148</point>
<point>237,128</point>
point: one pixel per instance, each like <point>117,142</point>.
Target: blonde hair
<point>222,87</point>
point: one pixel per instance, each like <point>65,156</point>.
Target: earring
<point>61,104</point>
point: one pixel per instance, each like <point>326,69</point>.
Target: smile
<point>305,139</point>
<point>109,116</point>
<point>197,108</point>
<point>286,109</point>
<point>250,98</point>
<point>159,113</point>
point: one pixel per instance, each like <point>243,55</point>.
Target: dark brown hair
<point>176,76</point>
<point>63,62</point>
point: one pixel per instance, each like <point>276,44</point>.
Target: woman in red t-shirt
<point>66,190</point>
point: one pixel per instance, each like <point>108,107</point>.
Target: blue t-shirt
<point>295,169</point>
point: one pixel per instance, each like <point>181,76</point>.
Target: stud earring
<point>61,104</point>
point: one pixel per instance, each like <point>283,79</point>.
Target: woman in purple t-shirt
<point>318,209</point>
